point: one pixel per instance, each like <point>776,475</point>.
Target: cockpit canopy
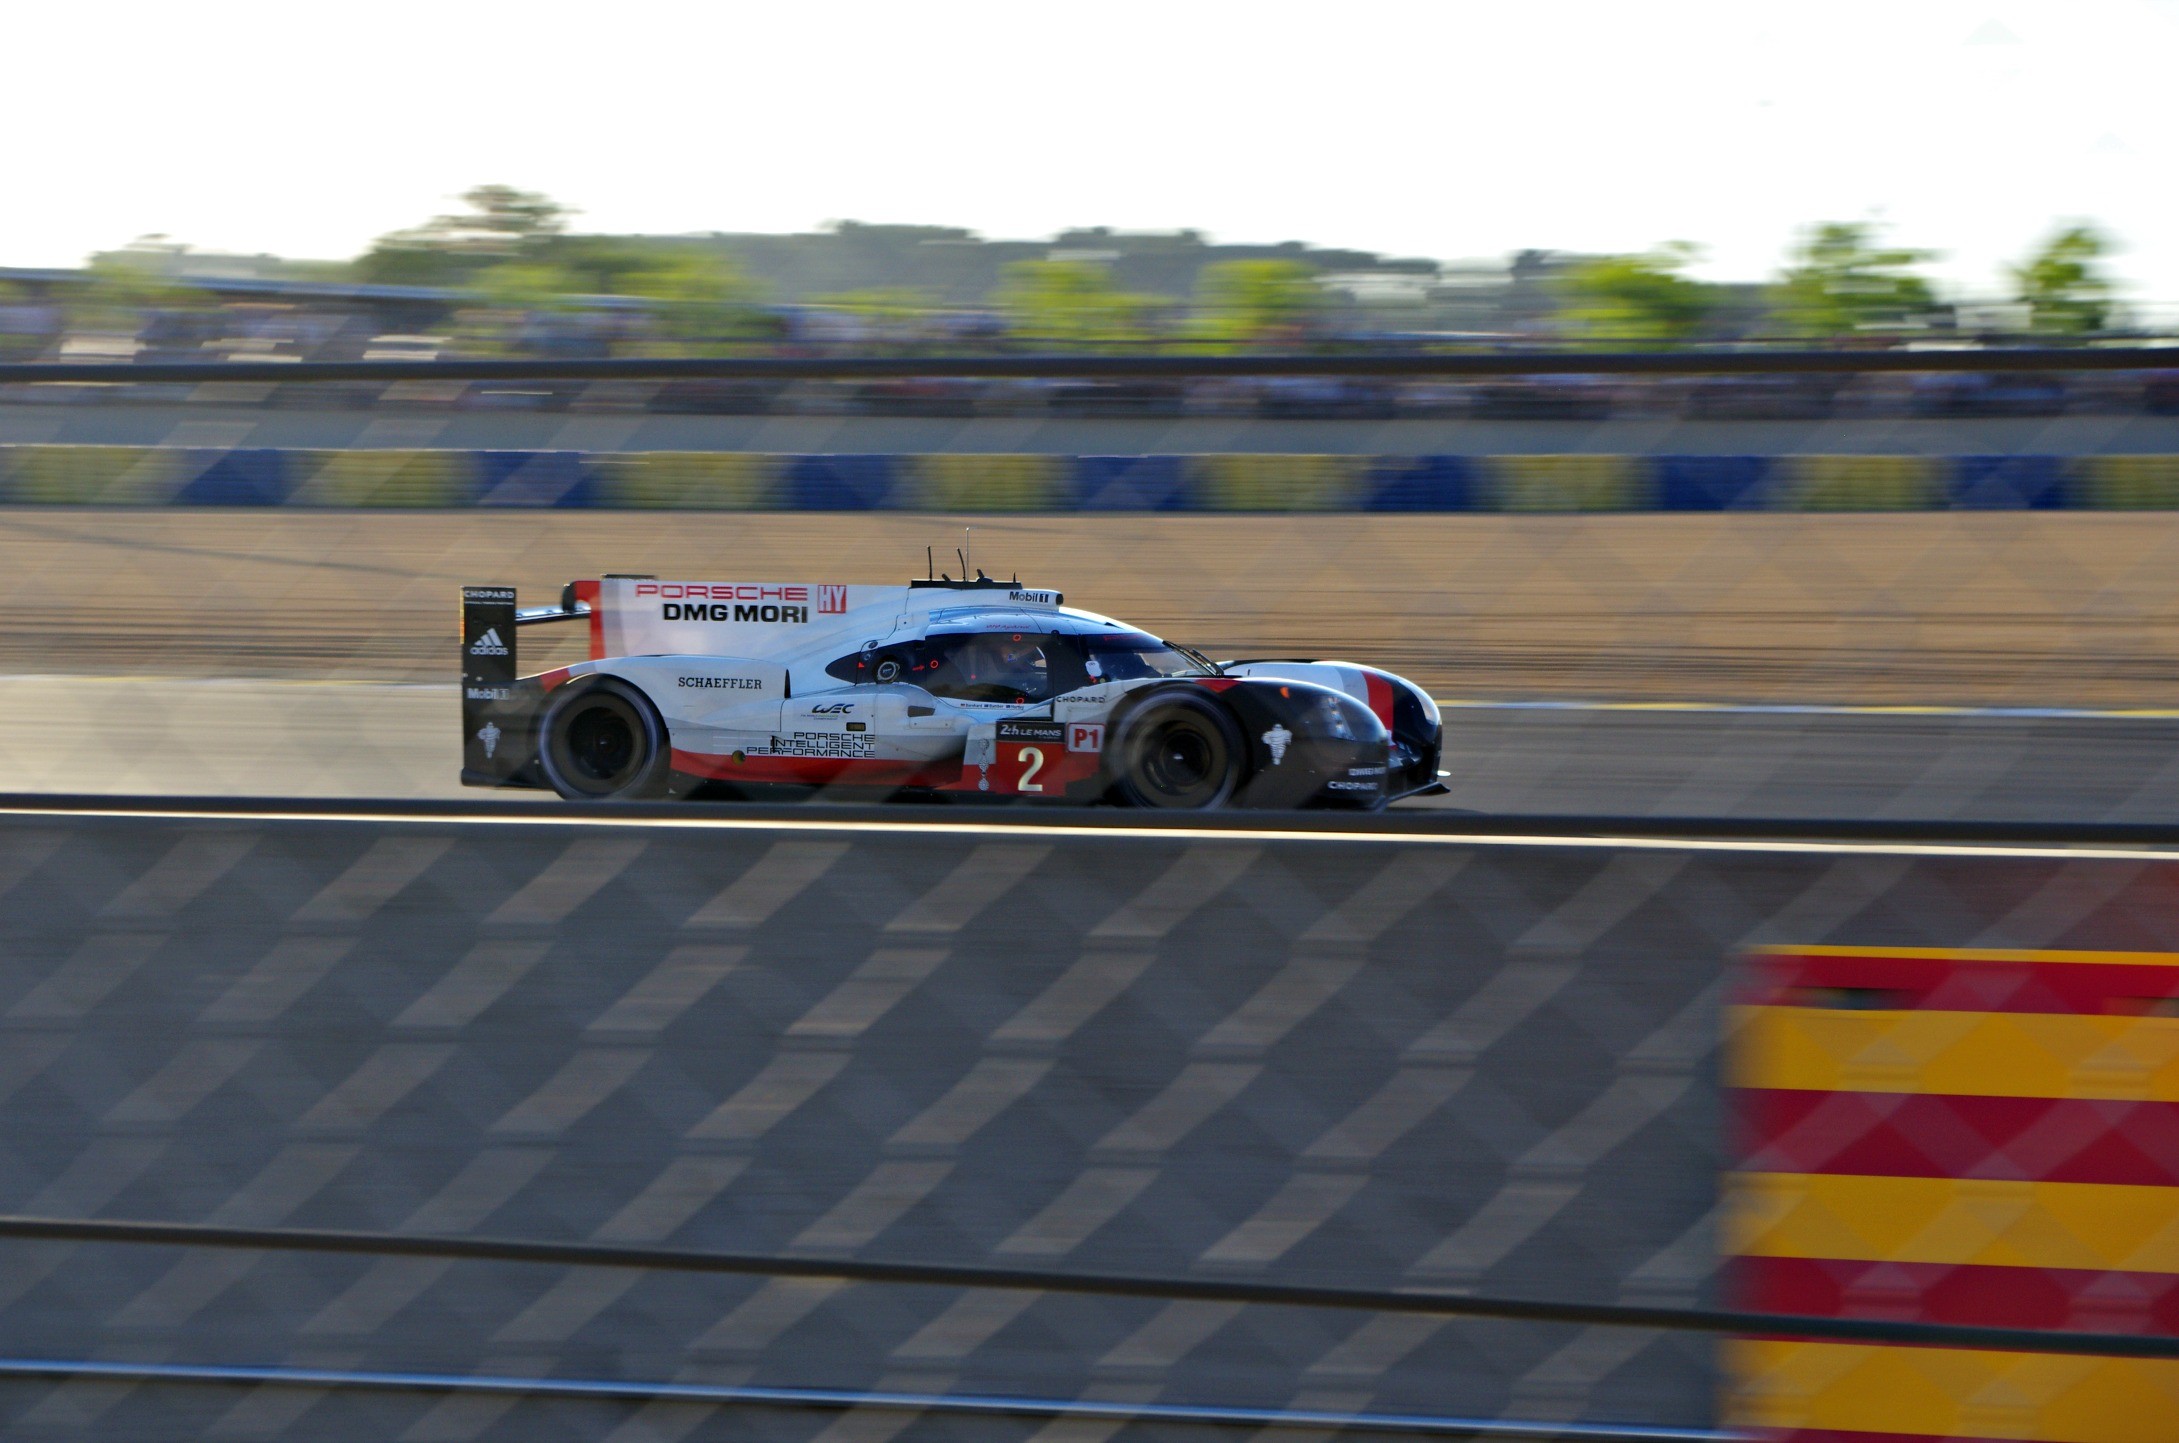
<point>1016,660</point>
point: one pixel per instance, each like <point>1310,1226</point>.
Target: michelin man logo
<point>1278,739</point>
<point>489,735</point>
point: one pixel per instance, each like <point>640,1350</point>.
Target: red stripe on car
<point>1380,697</point>
<point>587,592</point>
<point>817,771</point>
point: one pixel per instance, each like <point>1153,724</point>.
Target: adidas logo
<point>488,644</point>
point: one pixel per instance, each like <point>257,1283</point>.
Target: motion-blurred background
<point>1925,579</point>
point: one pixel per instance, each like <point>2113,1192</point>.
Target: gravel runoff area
<point>2027,609</point>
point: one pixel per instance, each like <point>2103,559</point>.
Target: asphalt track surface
<point>149,736</point>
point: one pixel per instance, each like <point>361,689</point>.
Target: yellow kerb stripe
<point>1949,1220</point>
<point>1975,1054</point>
<point>1951,1392</point>
<point>1958,954</point>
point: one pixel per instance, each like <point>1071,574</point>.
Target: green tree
<point>502,223</point>
<point>1638,297</point>
<point>1842,283</point>
<point>525,286</point>
<point>702,299</point>
<point>2066,293</point>
<point>1073,303</point>
<point>118,289</point>
<point>883,304</point>
<point>1245,302</point>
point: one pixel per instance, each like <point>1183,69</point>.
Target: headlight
<point>1335,720</point>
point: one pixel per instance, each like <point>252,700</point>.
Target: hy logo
<point>489,735</point>
<point>1278,739</point>
<point>831,600</point>
<point>488,644</point>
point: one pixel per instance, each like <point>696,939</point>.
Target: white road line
<point>1732,708</point>
<point>1032,831</point>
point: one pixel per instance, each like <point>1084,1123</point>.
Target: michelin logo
<point>489,734</point>
<point>488,644</point>
<point>1278,739</point>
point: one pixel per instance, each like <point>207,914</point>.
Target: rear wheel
<point>1181,752</point>
<point>604,741</point>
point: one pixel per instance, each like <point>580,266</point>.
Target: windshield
<point>1133,655</point>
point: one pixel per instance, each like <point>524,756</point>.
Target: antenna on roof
<point>930,566</point>
<point>962,557</point>
<point>968,549</point>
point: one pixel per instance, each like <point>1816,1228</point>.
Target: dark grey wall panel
<point>1311,1061</point>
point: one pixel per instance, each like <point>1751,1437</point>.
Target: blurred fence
<point>1417,1062</point>
<point>998,483</point>
<point>1353,383</point>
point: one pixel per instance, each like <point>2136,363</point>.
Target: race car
<point>939,688</point>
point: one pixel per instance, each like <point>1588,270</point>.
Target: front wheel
<point>604,741</point>
<point>1181,753</point>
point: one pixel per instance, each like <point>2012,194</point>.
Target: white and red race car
<point>985,688</point>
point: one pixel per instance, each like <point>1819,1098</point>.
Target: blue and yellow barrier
<point>985,483</point>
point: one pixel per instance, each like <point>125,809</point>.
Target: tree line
<point>514,252</point>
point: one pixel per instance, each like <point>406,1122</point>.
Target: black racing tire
<point>601,741</point>
<point>1178,752</point>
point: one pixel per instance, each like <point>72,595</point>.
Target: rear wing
<point>490,622</point>
<point>489,619</point>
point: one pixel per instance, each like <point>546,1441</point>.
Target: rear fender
<point>699,692</point>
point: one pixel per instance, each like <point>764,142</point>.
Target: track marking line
<point>1036,831</point>
<point>1735,708</point>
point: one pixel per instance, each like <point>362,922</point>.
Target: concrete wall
<point>1304,1060</point>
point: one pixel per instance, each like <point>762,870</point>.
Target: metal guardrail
<point>517,1250</point>
<point>1086,367</point>
<point>1110,1285</point>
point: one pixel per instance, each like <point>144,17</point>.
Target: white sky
<point>1449,130</point>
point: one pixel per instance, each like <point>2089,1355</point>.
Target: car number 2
<point>1034,756</point>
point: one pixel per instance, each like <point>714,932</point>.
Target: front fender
<point>1308,745</point>
<point>1407,712</point>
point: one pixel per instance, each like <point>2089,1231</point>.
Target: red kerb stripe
<point>1964,984</point>
<point>2082,1300</point>
<point>1905,1134</point>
